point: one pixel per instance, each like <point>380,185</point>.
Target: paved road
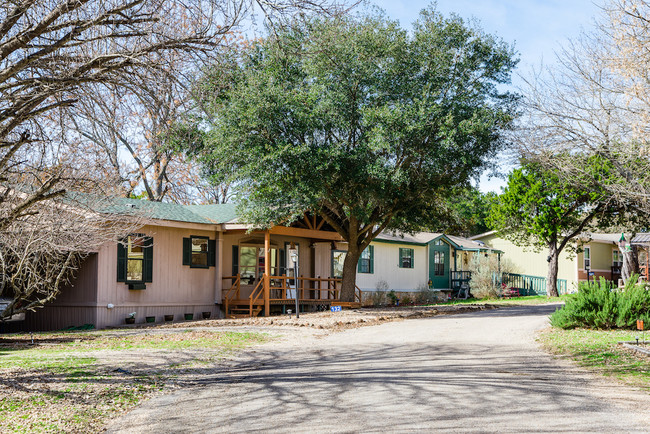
<point>478,372</point>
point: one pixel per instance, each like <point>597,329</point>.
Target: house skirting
<point>63,317</point>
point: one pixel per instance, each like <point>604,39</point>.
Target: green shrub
<point>392,297</point>
<point>633,304</point>
<point>406,300</point>
<point>598,305</point>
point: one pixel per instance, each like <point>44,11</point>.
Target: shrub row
<point>598,305</point>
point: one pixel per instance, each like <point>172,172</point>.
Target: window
<point>135,261</point>
<point>587,257</point>
<point>251,263</point>
<point>439,263</point>
<point>199,252</point>
<point>405,258</point>
<point>366,261</point>
<point>438,243</point>
<point>617,258</point>
<point>338,258</point>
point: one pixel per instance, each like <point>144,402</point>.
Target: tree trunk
<point>630,263</point>
<point>348,285</point>
<point>551,277</point>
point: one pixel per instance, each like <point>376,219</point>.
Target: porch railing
<point>526,284</point>
<point>531,285</point>
<point>460,277</point>
<point>309,288</point>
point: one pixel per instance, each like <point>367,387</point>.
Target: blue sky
<point>538,28</point>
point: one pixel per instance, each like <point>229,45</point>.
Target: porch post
<point>218,271</point>
<point>267,272</point>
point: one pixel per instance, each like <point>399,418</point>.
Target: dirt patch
<point>336,321</point>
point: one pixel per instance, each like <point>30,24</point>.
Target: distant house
<point>409,262</point>
<point>599,256</point>
<point>200,259</point>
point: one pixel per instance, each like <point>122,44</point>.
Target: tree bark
<point>348,286</point>
<point>630,263</point>
<point>551,276</point>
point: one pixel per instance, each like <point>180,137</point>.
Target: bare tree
<point>53,52</point>
<point>597,102</point>
<point>41,251</point>
<point>128,126</point>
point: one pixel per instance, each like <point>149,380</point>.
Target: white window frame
<point>586,258</point>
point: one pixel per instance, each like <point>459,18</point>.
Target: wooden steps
<point>242,311</point>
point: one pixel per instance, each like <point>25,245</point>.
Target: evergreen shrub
<point>598,305</point>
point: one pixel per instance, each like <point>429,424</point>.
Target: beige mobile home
<point>199,260</point>
<point>597,257</point>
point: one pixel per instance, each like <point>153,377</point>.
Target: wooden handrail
<point>235,286</point>
<point>253,298</point>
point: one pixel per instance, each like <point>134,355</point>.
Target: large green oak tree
<point>357,120</point>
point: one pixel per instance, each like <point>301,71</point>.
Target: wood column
<point>267,273</point>
<point>218,271</point>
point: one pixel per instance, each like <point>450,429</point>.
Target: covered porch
<point>262,281</point>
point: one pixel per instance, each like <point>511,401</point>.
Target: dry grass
<point>75,382</point>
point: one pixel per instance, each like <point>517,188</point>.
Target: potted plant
<point>151,319</point>
<point>130,319</point>
<point>189,316</point>
<point>206,315</point>
<point>169,317</point>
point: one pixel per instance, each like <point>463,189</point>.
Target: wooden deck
<point>313,293</point>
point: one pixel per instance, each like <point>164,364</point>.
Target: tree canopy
<point>358,120</point>
<point>541,209</point>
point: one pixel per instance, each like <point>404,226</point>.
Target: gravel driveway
<point>477,372</point>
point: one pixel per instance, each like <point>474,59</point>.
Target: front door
<point>439,264</point>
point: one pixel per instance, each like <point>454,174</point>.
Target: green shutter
<point>212,253</point>
<point>147,266</point>
<point>283,262</point>
<point>372,259</point>
<point>401,256</point>
<point>412,252</point>
<point>121,261</point>
<point>187,251</point>
<point>235,260</point>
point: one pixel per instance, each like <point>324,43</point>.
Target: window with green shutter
<point>405,258</point>
<point>366,261</point>
<point>135,261</point>
<point>199,252</point>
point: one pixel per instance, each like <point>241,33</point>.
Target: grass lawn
<point>76,381</point>
<point>598,350</point>
<point>533,299</point>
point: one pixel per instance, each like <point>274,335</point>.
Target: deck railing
<point>526,284</point>
<point>530,285</point>
<point>309,289</point>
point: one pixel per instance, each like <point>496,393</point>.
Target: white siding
<point>386,267</point>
